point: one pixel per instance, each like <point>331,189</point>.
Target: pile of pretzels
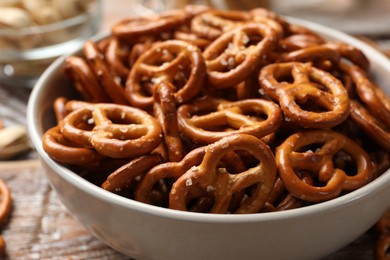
<point>219,111</point>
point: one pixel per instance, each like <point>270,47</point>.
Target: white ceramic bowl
<point>148,232</point>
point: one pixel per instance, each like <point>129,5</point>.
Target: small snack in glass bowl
<point>34,33</point>
<point>198,116</point>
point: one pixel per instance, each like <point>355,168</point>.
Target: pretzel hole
<point>283,74</point>
<point>313,104</point>
<point>345,162</point>
<point>247,159</point>
<point>159,195</point>
<point>310,148</point>
<point>200,205</point>
<point>181,77</point>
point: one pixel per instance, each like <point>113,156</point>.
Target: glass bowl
<point>26,52</point>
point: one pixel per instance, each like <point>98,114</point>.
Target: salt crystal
<point>223,61</point>
<point>56,235</point>
<point>261,91</point>
<point>231,62</point>
<point>189,182</point>
<point>123,129</point>
<point>245,39</point>
<point>117,80</point>
<point>210,188</point>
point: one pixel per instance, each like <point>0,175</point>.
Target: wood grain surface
<point>40,227</point>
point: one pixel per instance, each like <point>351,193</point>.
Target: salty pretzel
<point>5,210</point>
<point>186,71</point>
<point>131,28</point>
<point>190,37</point>
<point>62,107</point>
<point>126,174</point>
<point>300,41</point>
<point>280,199</point>
<point>116,131</point>
<point>377,103</point>
<point>208,120</point>
<point>351,54</point>
<point>218,183</point>
<point>383,224</point>
<point>313,54</point>
<point>212,24</point>
<point>138,49</point>
<point>383,242</point>
<point>59,108</point>
<point>117,56</point>
<point>369,124</point>
<point>155,186</point>
<point>263,15</point>
<point>64,151</point>
<point>293,156</point>
<point>236,54</point>
<point>84,80</point>
<point>6,201</point>
<point>109,81</point>
<point>165,112</point>
<point>382,247</point>
<point>166,171</point>
<point>310,85</point>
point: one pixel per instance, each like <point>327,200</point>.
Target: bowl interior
<point>53,83</point>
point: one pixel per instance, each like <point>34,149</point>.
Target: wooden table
<point>40,227</point>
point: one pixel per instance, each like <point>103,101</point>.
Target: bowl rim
<point>350,198</point>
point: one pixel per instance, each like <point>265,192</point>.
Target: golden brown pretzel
<point>6,201</point>
<point>84,80</point>
<point>310,86</point>
<point>295,154</point>
<point>314,54</point>
<point>64,151</point>
<point>155,186</point>
<point>59,108</point>
<point>114,130</point>
<point>300,41</point>
<point>5,210</point>
<point>207,120</point>
<point>138,49</point>
<point>208,180</point>
<point>164,109</point>
<point>213,23</point>
<point>372,96</point>
<point>280,199</point>
<point>184,34</point>
<point>382,247</point>
<point>132,28</point>
<point>117,57</point>
<point>232,57</point>
<point>185,69</point>
<point>351,54</point>
<point>169,171</point>
<point>376,130</point>
<point>383,242</point>
<point>132,171</point>
<point>109,80</point>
